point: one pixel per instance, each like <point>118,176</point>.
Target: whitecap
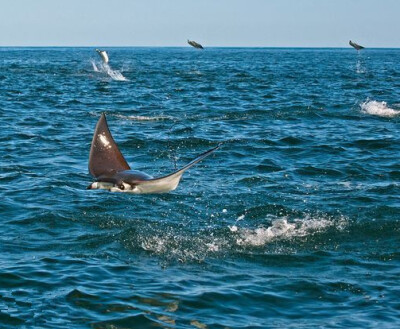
<point>378,108</point>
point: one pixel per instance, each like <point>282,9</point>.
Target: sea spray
<point>283,229</point>
<point>378,108</point>
<point>106,69</point>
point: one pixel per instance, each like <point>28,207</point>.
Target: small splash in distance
<point>359,68</point>
<point>379,109</point>
<point>105,68</point>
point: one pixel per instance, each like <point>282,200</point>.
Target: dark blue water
<point>293,223</point>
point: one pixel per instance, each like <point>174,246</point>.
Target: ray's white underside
<point>160,185</point>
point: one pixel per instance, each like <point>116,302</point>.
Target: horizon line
<point>185,46</point>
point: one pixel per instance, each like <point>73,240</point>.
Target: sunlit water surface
<point>293,223</point>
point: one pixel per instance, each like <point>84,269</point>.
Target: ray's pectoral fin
<point>105,157</point>
<point>171,181</point>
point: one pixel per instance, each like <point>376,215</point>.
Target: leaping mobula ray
<point>111,171</point>
<point>195,44</point>
<point>103,54</point>
<point>355,45</point>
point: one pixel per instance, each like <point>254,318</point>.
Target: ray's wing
<point>197,45</point>
<point>105,157</point>
<point>171,181</point>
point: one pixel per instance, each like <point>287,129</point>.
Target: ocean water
<point>293,223</point>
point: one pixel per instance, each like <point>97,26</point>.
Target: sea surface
<point>292,223</point>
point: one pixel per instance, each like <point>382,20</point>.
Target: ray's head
<point>113,187</point>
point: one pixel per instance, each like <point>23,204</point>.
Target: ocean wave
<point>379,109</point>
<point>105,68</point>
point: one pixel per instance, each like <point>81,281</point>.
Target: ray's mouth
<point>123,187</point>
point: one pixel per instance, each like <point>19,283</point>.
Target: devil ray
<point>111,171</point>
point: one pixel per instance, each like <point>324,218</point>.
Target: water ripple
<point>292,223</point>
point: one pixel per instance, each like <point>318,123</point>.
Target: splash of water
<point>177,245</point>
<point>281,229</point>
<point>105,68</point>
<point>359,67</point>
<point>94,66</point>
<point>379,109</point>
<point>113,74</point>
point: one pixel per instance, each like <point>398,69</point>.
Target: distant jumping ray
<point>103,54</point>
<point>105,67</point>
<point>112,172</point>
<point>355,45</point>
<point>195,44</point>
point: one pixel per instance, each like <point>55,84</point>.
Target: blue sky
<point>267,23</point>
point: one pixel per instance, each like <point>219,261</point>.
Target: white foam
<point>233,228</point>
<point>113,74</point>
<point>142,117</point>
<point>378,108</point>
<point>282,229</point>
<point>183,247</point>
<point>212,247</point>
